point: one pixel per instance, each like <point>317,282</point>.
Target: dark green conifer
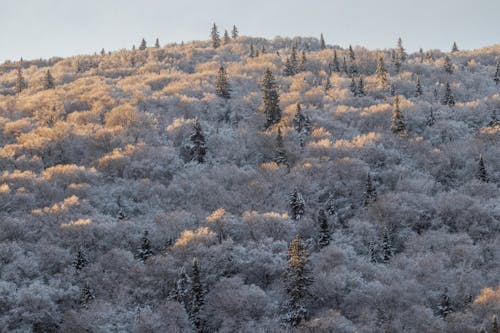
<point>222,86</point>
<point>324,230</point>
<point>198,149</point>
<point>143,45</point>
<point>270,99</point>
<point>398,125</point>
<point>322,43</point>
<point>370,194</point>
<point>214,34</point>
<point>49,81</point>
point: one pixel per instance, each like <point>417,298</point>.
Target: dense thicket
<point>270,202</point>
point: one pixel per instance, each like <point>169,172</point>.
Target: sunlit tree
<point>214,34</point>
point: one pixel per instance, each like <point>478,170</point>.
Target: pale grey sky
<point>45,28</point>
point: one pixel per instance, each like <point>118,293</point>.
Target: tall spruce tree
<point>86,296</point>
<point>381,72</point>
<point>496,78</point>
<point>197,298</point>
<point>494,325</point>
<point>144,251</point>
<point>353,87</point>
<point>418,88</point>
<point>198,149</point>
<point>80,260</point>
<point>235,33</point>
<point>143,45</point>
<point>251,54</point>
<point>398,125</point>
<point>353,69</point>
<point>454,48</point>
<point>280,154</point>
<point>49,81</point>
<point>157,43</point>
<point>222,86</point>
<point>20,81</point>
<point>335,66</point>
<point>294,60</point>
<point>330,204</point>
<point>324,230</point>
<point>482,174</point>
<point>401,53</point>
<point>328,83</point>
<point>298,279</point>
<point>387,249</point>
<point>299,119</point>
<point>214,35</point>
<point>448,66</point>
<point>289,70</point>
<point>182,290</point>
<point>345,69</point>
<point>226,40</point>
<point>360,89</point>
<point>322,43</point>
<point>448,98</point>
<point>370,194</point>
<point>444,307</point>
<point>430,120</point>
<point>270,99</point>
<point>297,204</point>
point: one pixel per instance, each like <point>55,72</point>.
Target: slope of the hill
<point>92,163</point>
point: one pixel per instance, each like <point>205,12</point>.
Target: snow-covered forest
<point>243,184</point>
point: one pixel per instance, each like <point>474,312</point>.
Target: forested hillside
<point>242,184</point>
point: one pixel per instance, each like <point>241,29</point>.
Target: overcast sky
<point>45,28</point>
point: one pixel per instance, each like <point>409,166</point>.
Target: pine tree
<point>495,121</point>
<point>494,325</point>
<point>289,70</point>
<point>252,51</point>
<point>81,260</point>
<point>431,120</point>
<point>226,39</point>
<point>49,81</point>
<point>454,48</point>
<point>86,296</point>
<point>328,83</point>
<point>197,298</point>
<point>387,249</point>
<point>360,89</point>
<point>297,204</point>
<point>352,56</point>
<point>330,204</point>
<point>353,87</point>
<point>157,43</point>
<point>445,308</point>
<point>496,78</point>
<point>20,81</point>
<point>421,55</point>
<point>198,149</point>
<point>143,45</point>
<point>294,61</point>
<point>234,33</point>
<point>344,66</point>
<point>298,119</point>
<point>214,34</point>
<point>353,69</point>
<point>398,125</point>
<point>270,99</point>
<point>482,175</point>
<point>103,52</point>
<point>222,86</point>
<point>418,88</point>
<point>373,253</point>
<point>335,66</point>
<point>381,72</point>
<point>144,252</point>
<point>181,292</point>
<point>280,154</point>
<point>401,56</point>
<point>322,43</point>
<point>448,98</point>
<point>370,192</point>
<point>324,230</point>
<point>448,66</point>
<point>298,279</point>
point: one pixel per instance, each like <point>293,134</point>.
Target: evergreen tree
<point>330,204</point>
<point>360,89</point>
<point>143,45</point>
<point>454,48</point>
<point>298,279</point>
<point>298,119</point>
<point>222,86</point>
<point>157,43</point>
<point>445,308</point>
<point>448,98</point>
<point>392,89</point>
<point>303,60</point>
<point>214,34</point>
<point>398,125</point>
<point>335,66</point>
<point>144,252</point>
<point>482,175</point>
<point>373,253</point>
<point>252,51</point>
<point>353,69</point>
<point>353,87</point>
<point>328,83</point>
<point>20,81</point>
<point>381,72</point>
<point>270,99</point>
<point>289,70</point>
<point>352,56</point>
<point>494,119</point>
<point>197,298</point>
<point>370,192</point>
<point>324,230</point>
<point>418,88</point>
<point>344,66</point>
<point>496,78</point>
<point>421,55</point>
<point>401,55</point>
<point>387,249</point>
<point>49,81</point>
<point>431,120</point>
<point>182,290</point>
<point>448,66</point>
<point>235,33</point>
<point>81,260</point>
<point>103,52</point>
<point>294,61</point>
<point>297,204</point>
<point>322,43</point>
<point>226,39</point>
<point>280,154</point>
<point>86,296</point>
<point>494,325</point>
<point>198,149</point>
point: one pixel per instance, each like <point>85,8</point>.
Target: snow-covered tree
<point>360,89</point>
<point>381,72</point>
<point>182,291</point>
<point>215,37</point>
<point>430,119</point>
<point>143,45</point>
<point>444,308</point>
<point>496,78</point>
<point>157,43</point>
<point>86,296</point>
<point>280,154</point>
<point>448,98</point>
<point>418,88</point>
<point>270,99</point>
<point>401,53</point>
<point>80,260</point>
<point>482,174</point>
<point>330,204</point>
<point>448,66</point>
<point>454,48</point>
<point>297,204</point>
<point>20,81</point>
<point>398,125</point>
<point>197,138</point>
<point>370,194</point>
<point>234,32</point>
<point>226,39</point>
<point>494,325</point>
<point>335,65</point>
<point>298,279</point>
<point>387,248</point>
<point>252,51</point>
<point>222,86</point>
<point>299,119</point>
<point>324,230</point>
<point>353,87</point>
<point>144,251</point>
<point>197,296</point>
